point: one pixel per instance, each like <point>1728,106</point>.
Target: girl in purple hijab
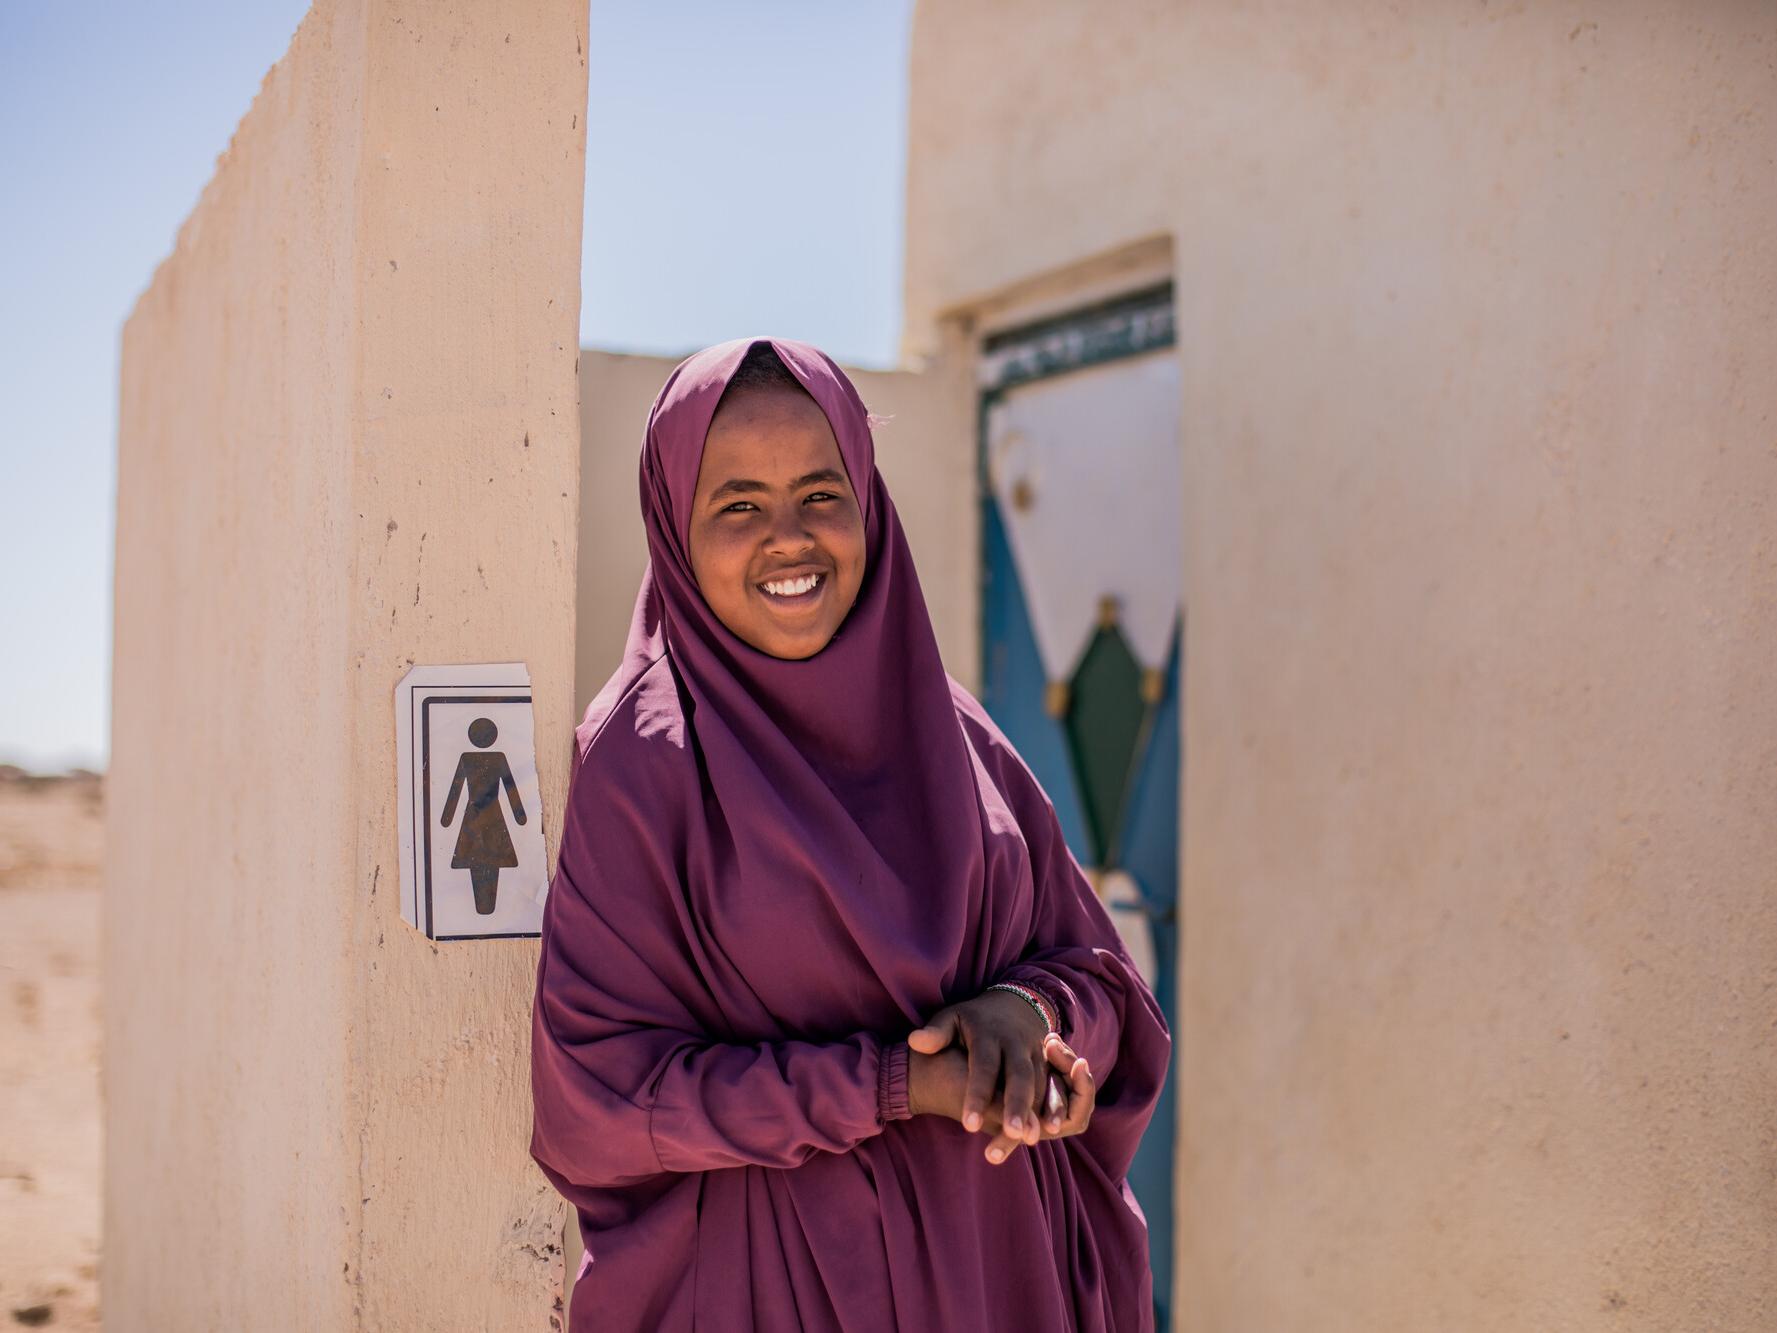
<point>831,1031</point>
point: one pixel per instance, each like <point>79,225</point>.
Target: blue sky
<point>111,119</point>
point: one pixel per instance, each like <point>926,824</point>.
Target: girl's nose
<point>789,532</point>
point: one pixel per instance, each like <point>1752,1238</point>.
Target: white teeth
<point>793,587</point>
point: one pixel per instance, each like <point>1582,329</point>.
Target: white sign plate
<point>471,814</point>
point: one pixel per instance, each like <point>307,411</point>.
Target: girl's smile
<point>794,592</point>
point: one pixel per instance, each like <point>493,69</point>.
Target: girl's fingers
<point>935,1035</point>
<point>984,1077</point>
<point>1021,1096</point>
<point>1002,1147</point>
<point>1085,1095</point>
<point>1081,1089</point>
<point>1058,1053</point>
<point>1040,1099</point>
<point>1053,1111</point>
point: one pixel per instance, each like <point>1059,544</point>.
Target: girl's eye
<point>735,508</point>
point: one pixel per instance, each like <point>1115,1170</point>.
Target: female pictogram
<point>483,844</point>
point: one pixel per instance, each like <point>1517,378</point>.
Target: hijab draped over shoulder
<point>770,872</point>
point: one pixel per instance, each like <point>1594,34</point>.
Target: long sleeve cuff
<point>891,1083</point>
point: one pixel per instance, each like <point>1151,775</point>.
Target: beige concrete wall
<point>347,443</point>
<point>924,451</point>
<point>616,393</point>
<point>1475,314</point>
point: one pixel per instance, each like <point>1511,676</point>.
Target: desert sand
<point>51,851</point>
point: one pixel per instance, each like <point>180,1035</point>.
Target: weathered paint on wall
<point>921,450</point>
<point>347,443</point>
<point>1475,317</point>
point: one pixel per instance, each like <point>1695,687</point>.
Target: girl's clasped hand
<point>967,1051</point>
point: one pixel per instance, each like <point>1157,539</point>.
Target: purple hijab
<point>771,871</point>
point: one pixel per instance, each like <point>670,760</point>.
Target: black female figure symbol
<point>483,844</point>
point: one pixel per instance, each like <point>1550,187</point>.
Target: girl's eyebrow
<point>735,485</point>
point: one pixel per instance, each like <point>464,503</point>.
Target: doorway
<point>1080,482</point>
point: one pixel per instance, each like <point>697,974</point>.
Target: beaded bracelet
<point>1033,999</point>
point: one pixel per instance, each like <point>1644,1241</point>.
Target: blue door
<point>1078,461</point>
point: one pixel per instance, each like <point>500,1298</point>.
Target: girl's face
<point>774,506</point>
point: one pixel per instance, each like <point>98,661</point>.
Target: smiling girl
<point>831,1031</point>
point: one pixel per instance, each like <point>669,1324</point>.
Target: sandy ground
<point>51,848</point>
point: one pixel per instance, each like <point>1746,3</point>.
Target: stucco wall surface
<point>347,443</point>
<point>923,453</point>
<point>1475,310</point>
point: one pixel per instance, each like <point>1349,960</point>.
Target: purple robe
<point>771,871</point>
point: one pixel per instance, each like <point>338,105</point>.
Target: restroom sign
<point>472,860</point>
